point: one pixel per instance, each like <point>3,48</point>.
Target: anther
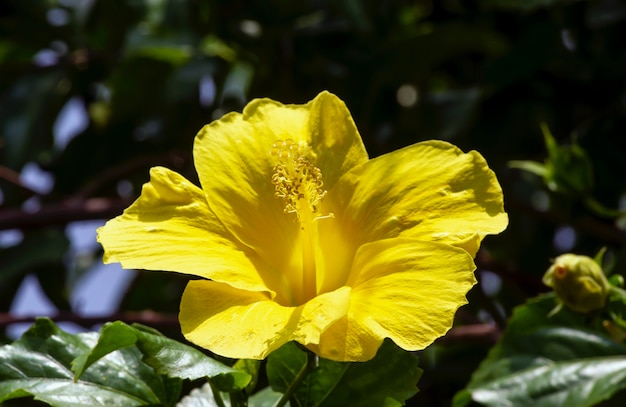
<point>296,180</point>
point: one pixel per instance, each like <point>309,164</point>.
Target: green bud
<point>578,281</point>
<point>568,168</point>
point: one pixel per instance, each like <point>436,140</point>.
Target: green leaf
<point>389,379</point>
<point>251,367</point>
<point>530,166</point>
<point>125,365</point>
<point>577,383</point>
<point>264,398</point>
<point>568,168</point>
<point>283,365</point>
<point>547,361</point>
<point>166,53</point>
<point>38,364</point>
<point>166,356</point>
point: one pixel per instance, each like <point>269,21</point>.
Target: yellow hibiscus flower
<point>299,236</point>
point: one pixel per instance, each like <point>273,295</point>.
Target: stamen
<point>297,181</point>
<point>299,184</point>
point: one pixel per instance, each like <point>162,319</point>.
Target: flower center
<point>299,184</point>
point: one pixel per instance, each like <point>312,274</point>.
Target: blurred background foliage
<point>134,80</point>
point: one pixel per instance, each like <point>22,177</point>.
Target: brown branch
<point>149,318</point>
<point>173,159</point>
<point>481,333</point>
<point>13,177</point>
<point>509,271</point>
<point>82,206</point>
<point>62,213</point>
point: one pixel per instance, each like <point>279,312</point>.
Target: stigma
<point>297,181</point>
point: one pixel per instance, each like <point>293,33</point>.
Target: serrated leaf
<point>166,356</point>
<point>547,361</point>
<point>388,379</point>
<point>38,364</point>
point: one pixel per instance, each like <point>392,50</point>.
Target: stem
<point>217,397</point>
<point>238,399</point>
<point>602,210</point>
<point>309,365</point>
<point>618,292</point>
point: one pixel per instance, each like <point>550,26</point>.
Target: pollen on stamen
<point>296,180</point>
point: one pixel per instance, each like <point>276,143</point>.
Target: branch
<point>482,333</point>
<point>62,213</point>
<point>149,318</point>
<point>13,177</point>
<point>83,205</point>
<point>110,175</point>
<point>509,271</point>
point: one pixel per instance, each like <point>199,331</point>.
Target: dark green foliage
<point>122,366</point>
<point>548,361</point>
<point>389,379</point>
<point>483,74</point>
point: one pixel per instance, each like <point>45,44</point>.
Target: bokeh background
<point>95,92</point>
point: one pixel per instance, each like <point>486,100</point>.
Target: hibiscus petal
<point>170,227</point>
<point>429,190</point>
<point>235,167</point>
<point>243,324</point>
<point>232,157</point>
<point>403,289</point>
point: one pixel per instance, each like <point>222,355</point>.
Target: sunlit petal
<point>430,190</point>
<point>245,324</point>
<point>402,289</point>
<point>232,157</point>
<point>170,227</point>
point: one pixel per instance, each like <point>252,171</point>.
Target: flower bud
<point>578,281</point>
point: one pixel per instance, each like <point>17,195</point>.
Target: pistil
<point>299,184</point>
<point>309,267</point>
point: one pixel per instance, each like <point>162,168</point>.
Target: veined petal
<point>235,167</point>
<point>237,148</point>
<point>244,324</point>
<point>403,289</point>
<point>430,190</point>
<point>170,227</point>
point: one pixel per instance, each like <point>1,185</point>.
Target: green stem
<point>602,210</point>
<point>217,397</point>
<point>309,365</point>
<point>238,399</point>
<point>617,292</point>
